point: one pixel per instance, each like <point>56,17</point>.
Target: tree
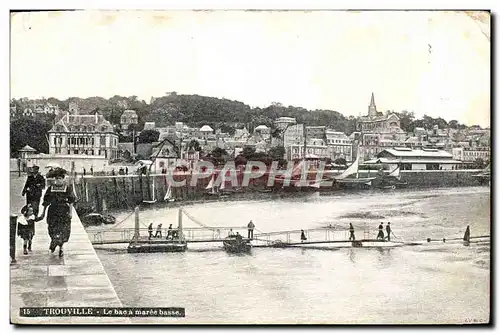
<point>218,155</point>
<point>248,152</point>
<point>240,160</point>
<point>479,163</point>
<point>149,136</point>
<point>231,130</point>
<point>29,132</point>
<point>134,127</point>
<point>194,145</point>
<point>218,152</point>
<point>340,161</point>
<point>277,152</point>
<point>453,124</point>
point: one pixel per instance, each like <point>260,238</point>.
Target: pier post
<point>136,212</point>
<point>140,185</point>
<point>13,232</point>
<point>85,185</point>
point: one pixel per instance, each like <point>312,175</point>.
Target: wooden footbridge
<point>327,237</point>
<point>216,234</point>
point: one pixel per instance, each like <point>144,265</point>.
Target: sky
<point>434,63</point>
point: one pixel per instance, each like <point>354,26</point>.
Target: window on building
<point>68,151</point>
<point>103,141</point>
<point>432,166</point>
<point>92,141</point>
<point>75,151</point>
<point>405,166</point>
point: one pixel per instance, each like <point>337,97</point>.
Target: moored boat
<point>233,244</point>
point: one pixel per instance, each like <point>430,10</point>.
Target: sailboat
<point>212,189</point>
<point>168,195</point>
<point>392,180</point>
<point>177,243</point>
<point>346,180</point>
<point>153,194</point>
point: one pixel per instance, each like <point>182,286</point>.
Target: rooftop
<point>415,161</point>
<point>129,113</point>
<point>408,152</point>
<point>27,148</point>
<point>206,128</point>
<point>82,123</point>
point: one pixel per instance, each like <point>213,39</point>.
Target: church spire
<point>372,109</point>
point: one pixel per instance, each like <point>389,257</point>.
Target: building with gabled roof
<point>128,117</point>
<point>89,135</point>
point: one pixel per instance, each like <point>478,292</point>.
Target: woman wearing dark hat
<point>59,199</point>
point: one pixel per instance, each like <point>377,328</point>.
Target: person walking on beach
<point>158,231</point>
<point>251,226</point>
<point>380,232</point>
<point>150,230</point>
<point>33,189</point>
<point>58,204</point>
<point>351,232</point>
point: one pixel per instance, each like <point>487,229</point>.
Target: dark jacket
<point>34,186</point>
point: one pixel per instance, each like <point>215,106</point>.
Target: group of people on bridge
<point>171,232</point>
<point>250,226</point>
<point>380,235</point>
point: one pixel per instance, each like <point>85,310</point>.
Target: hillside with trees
<point>195,111</point>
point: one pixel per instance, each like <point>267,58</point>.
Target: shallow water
<point>432,283</point>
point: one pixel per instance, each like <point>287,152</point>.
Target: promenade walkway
<point>42,279</point>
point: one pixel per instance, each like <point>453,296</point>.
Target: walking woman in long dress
<point>59,199</point>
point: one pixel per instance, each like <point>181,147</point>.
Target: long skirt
<point>380,235</point>
<point>59,223</point>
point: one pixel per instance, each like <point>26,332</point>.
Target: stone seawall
<point>102,193</point>
<point>440,178</point>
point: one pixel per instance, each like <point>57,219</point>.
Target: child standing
<point>26,227</point>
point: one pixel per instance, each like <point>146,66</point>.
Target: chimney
<point>67,116</point>
<point>96,118</point>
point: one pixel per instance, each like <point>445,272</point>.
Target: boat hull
<point>235,246</point>
<point>157,247</point>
